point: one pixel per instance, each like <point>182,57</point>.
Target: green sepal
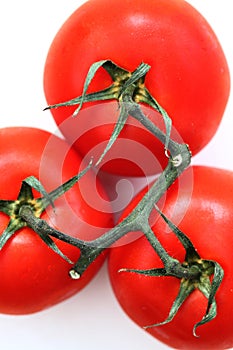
<point>207,318</point>
<point>6,206</point>
<point>115,71</point>
<point>51,244</point>
<point>33,182</point>
<point>49,198</point>
<point>90,75</point>
<point>14,225</point>
<point>218,275</point>
<point>68,184</point>
<point>10,230</point>
<point>102,95</point>
<point>123,116</point>
<point>25,192</point>
<point>150,272</point>
<point>191,252</point>
<point>212,313</point>
<point>186,288</point>
<point>209,290</point>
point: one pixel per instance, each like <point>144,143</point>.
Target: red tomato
<point>33,277</point>
<point>206,217</point>
<point>189,76</point>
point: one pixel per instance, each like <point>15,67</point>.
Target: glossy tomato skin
<point>33,277</point>
<point>206,217</point>
<point>189,75</point>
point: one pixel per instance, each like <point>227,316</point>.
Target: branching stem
<point>137,220</point>
<point>129,90</point>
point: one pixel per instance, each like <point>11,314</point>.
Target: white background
<point>92,319</point>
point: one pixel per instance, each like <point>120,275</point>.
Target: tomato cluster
<point>134,94</point>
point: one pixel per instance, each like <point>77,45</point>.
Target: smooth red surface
<point>189,75</point>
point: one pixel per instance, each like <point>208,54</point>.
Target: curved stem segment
<point>137,220</point>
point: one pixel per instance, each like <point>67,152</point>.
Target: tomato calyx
<point>194,273</point>
<point>129,89</point>
<point>26,207</point>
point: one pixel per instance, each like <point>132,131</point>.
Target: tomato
<point>206,218</point>
<point>189,77</point>
<point>33,277</point>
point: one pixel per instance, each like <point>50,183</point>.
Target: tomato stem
<point>127,88</point>
<point>25,208</point>
<point>137,220</point>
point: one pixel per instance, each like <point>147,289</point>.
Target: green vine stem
<point>129,90</point>
<point>37,206</point>
<point>137,220</point>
